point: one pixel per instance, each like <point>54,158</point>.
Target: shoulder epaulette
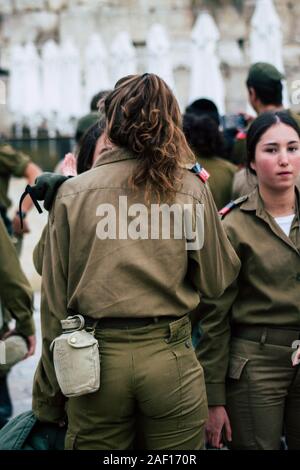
<point>231,205</point>
<point>200,172</point>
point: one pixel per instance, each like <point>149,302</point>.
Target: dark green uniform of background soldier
<point>16,294</point>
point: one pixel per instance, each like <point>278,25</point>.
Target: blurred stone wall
<point>39,20</point>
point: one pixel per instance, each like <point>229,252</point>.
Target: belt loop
<point>173,333</point>
<point>179,328</point>
<point>91,329</point>
<point>263,337</point>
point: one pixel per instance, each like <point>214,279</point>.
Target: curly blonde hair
<point>143,116</point>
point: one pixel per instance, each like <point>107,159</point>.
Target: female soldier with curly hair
<point>136,289</point>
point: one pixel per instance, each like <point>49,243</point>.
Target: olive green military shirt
<point>221,178</point>
<point>12,163</point>
<point>120,277</point>
<point>15,291</point>
<point>266,292</point>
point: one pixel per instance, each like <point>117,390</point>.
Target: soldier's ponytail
<point>143,116</point>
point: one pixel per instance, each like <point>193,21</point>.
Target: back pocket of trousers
<point>236,366</point>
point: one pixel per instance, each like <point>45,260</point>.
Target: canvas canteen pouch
<point>76,358</point>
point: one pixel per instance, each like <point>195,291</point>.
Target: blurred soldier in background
<point>16,295</point>
<point>264,84</point>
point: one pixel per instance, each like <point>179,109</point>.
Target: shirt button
<point>73,340</point>
<point>298,277</point>
<point>188,344</point>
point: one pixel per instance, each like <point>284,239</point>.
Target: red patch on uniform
<point>241,135</point>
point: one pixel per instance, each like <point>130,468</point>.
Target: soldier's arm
<point>16,292</point>
<point>48,401</point>
<point>213,348</point>
<point>38,252</point>
<point>16,163</point>
<point>215,269</point>
<point>31,172</point>
<point>216,265</point>
<point>45,189</point>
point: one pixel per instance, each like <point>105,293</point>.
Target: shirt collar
<point>254,201</point>
<point>117,154</point>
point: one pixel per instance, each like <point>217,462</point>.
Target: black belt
<point>119,322</point>
<point>266,334</point>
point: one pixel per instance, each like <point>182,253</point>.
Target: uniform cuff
<point>216,394</point>
<point>25,328</point>
<point>20,169</point>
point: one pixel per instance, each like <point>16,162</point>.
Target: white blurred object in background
<point>159,54</point>
<point>206,79</point>
<point>95,69</point>
<point>123,57</point>
<point>266,39</point>
<point>71,89</point>
<point>17,86</point>
<point>51,78</point>
<point>32,99</point>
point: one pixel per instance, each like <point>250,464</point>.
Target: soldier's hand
<point>217,420</point>
<point>31,340</point>
<point>248,117</point>
<point>68,165</point>
<point>296,358</point>
<point>16,224</point>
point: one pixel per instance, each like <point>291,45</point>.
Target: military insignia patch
<point>200,172</point>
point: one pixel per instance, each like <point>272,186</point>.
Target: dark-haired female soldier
<point>133,283</point>
<point>251,331</point>
<point>205,139</point>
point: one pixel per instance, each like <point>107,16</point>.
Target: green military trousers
<point>151,385</point>
<point>263,395</point>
